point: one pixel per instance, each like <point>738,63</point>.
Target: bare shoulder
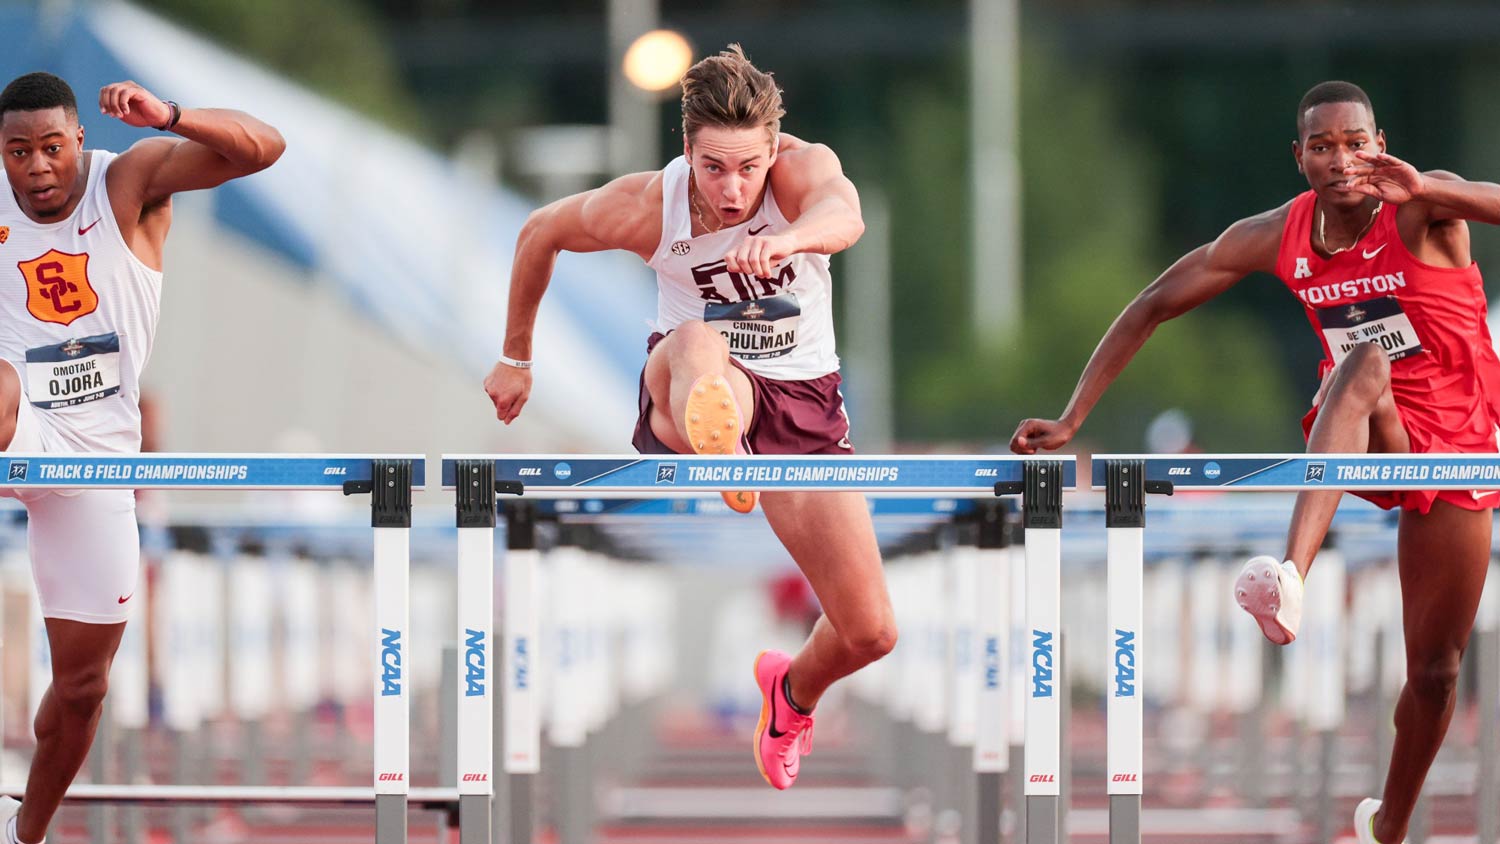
<point>1252,244</point>
<point>132,169</point>
<point>806,163</point>
<point>626,212</point>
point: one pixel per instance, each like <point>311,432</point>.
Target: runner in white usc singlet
<point>79,311</point>
<point>81,239</point>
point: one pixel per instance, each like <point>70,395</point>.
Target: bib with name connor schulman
<point>1430,321</point>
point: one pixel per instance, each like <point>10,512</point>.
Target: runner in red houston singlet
<point>1378,254</point>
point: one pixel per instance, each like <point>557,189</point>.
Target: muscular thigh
<point>832,539</point>
<point>658,377</point>
<point>1444,555</point>
<point>85,554</point>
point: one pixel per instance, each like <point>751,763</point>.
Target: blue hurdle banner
<point>1272,472</point>
<point>590,475</point>
<point>196,471</point>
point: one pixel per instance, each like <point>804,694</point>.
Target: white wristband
<point>518,364</point>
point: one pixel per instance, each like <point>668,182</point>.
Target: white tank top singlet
<point>78,314</point>
<point>780,328</point>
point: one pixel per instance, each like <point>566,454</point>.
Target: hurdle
<point>1127,478</point>
<point>1039,482</point>
<point>389,480</point>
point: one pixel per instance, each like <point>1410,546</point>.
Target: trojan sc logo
<point>57,287</point>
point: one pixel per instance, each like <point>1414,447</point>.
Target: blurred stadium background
<point>1026,168</point>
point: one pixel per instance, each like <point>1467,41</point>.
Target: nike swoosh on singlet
<point>754,232</point>
<point>127,597</point>
<point>771,727</point>
<point>85,230</point>
<point>1368,254</point>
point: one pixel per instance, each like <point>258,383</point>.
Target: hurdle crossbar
<point>600,475</point>
<point>348,472</point>
<point>390,479</point>
<point>1040,481</point>
<point>1292,472</point>
<point>427,798</point>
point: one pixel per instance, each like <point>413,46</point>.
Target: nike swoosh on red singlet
<point>83,231</point>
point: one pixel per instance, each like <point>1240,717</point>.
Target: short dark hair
<point>37,92</point>
<point>1331,92</point>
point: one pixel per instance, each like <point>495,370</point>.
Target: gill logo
<point>57,287</point>
<point>473,662</point>
<point>1041,663</point>
<point>1124,663</point>
<point>390,662</point>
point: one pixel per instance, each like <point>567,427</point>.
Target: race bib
<point>74,372</point>
<point>1380,321</point>
<point>758,328</point>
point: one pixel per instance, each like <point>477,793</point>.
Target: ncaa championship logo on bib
<point>81,370</point>
<point>57,287</point>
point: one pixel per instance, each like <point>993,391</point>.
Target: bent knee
<point>872,644</point>
<point>695,337</point>
<point>81,694</point>
<point>1365,373</point>
<point>1434,678</point>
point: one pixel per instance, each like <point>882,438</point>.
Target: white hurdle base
<point>427,798</point>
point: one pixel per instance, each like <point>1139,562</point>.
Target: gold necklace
<point>1323,237</point>
<point>693,202</point>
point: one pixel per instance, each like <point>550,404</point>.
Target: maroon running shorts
<point>790,417</point>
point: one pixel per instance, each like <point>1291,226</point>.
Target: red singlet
<point>1445,375</point>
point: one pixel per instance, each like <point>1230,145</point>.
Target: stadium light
<point>657,60</point>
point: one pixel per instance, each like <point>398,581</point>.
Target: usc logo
<point>57,287</point>
<point>4,233</point>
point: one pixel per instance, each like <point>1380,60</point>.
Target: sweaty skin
<point>1344,158</point>
<point>829,535</point>
<point>47,173</point>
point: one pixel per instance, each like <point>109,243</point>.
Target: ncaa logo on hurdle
<point>1211,470</point>
<point>562,471</point>
<point>666,473</point>
<point>1315,473</point>
<point>17,471</point>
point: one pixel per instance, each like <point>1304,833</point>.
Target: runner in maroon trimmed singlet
<point>1378,253</point>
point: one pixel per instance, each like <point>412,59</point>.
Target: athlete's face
<point>1331,134</point>
<point>730,167</point>
<point>42,151</point>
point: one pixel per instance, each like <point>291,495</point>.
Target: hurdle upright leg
<point>390,506</point>
<point>1042,502</point>
<point>990,745</point>
<point>1125,525</point>
<point>473,692</point>
<point>519,704</point>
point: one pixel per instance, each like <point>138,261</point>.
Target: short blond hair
<point>729,92</point>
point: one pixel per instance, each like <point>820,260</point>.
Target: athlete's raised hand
<point>1385,177</point>
<point>508,387</point>
<point>134,105</point>
<point>759,255</point>
<point>1045,434</point>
